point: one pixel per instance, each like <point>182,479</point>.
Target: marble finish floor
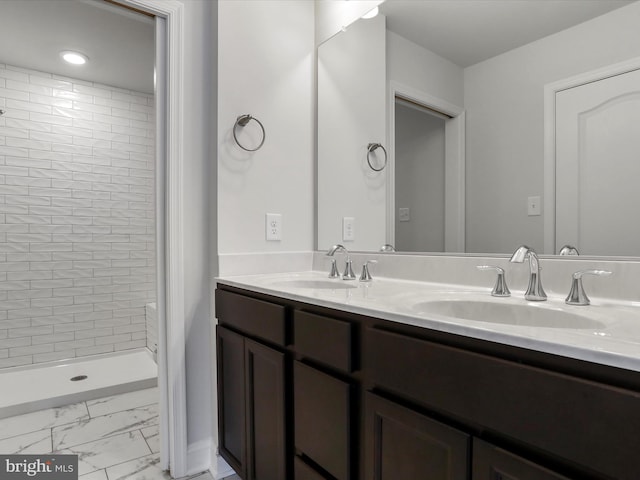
<point>115,438</point>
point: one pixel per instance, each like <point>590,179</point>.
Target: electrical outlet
<point>273,226</point>
<point>348,229</point>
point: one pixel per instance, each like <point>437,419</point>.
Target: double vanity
<point>396,378</point>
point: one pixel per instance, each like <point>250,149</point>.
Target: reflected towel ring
<point>372,147</point>
<point>242,121</point>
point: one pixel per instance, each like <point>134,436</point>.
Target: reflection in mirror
<point>419,178</point>
<point>452,52</point>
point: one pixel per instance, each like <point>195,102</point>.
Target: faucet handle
<point>577,295</point>
<point>500,289</point>
<point>365,276</point>
<point>348,270</point>
<point>334,269</point>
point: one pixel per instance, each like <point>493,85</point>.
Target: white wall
<point>199,245</point>
<point>351,114</point>
<point>266,65</point>
<point>416,67</point>
<point>505,143</point>
<point>77,217</point>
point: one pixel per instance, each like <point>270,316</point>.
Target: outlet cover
<point>273,227</point>
<point>348,229</point>
<point>534,207</point>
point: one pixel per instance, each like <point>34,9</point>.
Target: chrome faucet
<point>535,292</point>
<point>387,247</point>
<point>568,250</point>
<point>348,268</point>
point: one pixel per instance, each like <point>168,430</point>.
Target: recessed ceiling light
<point>74,58</point>
<point>371,13</point>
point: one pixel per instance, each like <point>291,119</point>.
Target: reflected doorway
<point>426,177</point>
<point>419,177</point>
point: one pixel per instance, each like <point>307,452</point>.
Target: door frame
<point>169,229</point>
<point>454,204</point>
<point>550,91</point>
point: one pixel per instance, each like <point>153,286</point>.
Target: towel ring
<point>372,147</point>
<point>242,121</point>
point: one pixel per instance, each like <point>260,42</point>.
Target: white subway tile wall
<point>77,226</point>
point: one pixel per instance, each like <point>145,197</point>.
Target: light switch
<point>534,206</point>
<point>404,214</point>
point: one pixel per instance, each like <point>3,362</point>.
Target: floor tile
<point>152,436</point>
<point>97,475</point>
<point>29,443</point>
<point>32,422</point>
<point>145,468</point>
<point>105,426</point>
<point>208,476</point>
<point>109,451</point>
<point>125,401</point>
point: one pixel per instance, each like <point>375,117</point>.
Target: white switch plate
<point>404,214</point>
<point>348,229</point>
<point>273,226</point>
<point>534,207</point>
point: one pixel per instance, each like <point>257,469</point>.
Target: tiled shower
<point>77,230</point>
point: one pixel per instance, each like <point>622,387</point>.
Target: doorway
<point>138,197</point>
<point>420,178</point>
<point>590,160</point>
<point>440,208</point>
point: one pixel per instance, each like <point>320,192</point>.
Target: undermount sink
<point>525,314</point>
<point>317,284</point>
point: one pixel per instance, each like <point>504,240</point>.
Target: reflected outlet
<point>348,229</point>
<point>273,226</point>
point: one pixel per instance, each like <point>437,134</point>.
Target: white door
<point>598,166</point>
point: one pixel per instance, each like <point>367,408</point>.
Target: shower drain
<point>78,378</point>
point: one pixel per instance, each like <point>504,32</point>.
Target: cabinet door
<point>493,463</point>
<point>402,444</point>
<point>231,398</point>
<point>322,406</point>
<point>265,412</point>
<point>302,471</point>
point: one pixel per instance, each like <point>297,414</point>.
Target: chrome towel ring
<point>372,147</point>
<point>242,121</point>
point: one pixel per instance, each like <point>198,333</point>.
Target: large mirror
<point>500,122</point>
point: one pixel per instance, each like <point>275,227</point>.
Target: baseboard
<point>199,457</point>
<point>219,468</point>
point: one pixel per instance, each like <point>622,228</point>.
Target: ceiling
<point>469,31</point>
<point>118,42</point>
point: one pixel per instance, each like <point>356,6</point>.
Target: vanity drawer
<point>324,339</point>
<point>258,318</point>
<point>585,422</point>
<point>322,410</point>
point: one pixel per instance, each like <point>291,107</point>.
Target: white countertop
<point>611,338</point>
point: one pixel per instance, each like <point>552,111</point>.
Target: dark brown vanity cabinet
<point>325,420</point>
<point>493,463</point>
<point>401,443</point>
<point>309,393</point>
<point>251,389</point>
